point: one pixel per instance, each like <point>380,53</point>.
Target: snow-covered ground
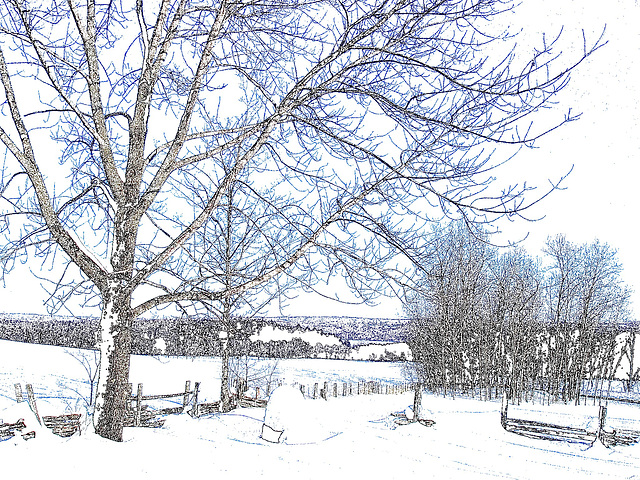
<point>352,437</point>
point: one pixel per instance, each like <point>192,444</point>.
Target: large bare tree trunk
<point>115,351</point>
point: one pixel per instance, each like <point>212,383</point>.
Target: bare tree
<point>369,112</point>
<point>450,333</point>
<point>516,309</point>
<point>628,352</point>
<point>241,241</point>
<point>586,304</point>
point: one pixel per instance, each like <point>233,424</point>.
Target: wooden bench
<point>550,431</point>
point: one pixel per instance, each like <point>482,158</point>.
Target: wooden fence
<point>61,425</point>
<point>344,389</point>
<point>550,431</point>
<point>611,399</point>
<point>313,391</point>
<point>141,415</point>
<point>8,430</point>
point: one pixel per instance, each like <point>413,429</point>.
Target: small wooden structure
<point>550,431</point>
<point>61,425</point>
<point>143,416</point>
<point>8,430</point>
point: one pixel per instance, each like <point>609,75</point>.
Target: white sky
<point>601,199</point>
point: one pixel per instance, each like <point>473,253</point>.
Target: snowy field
<point>351,437</point>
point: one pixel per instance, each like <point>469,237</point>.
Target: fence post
<point>18,389</point>
<point>315,390</point>
<point>302,390</point>
<point>325,389</point>
<point>32,402</point>
<point>127,405</point>
<point>196,389</point>
<point>602,418</point>
<point>136,420</point>
<point>335,390</point>
<point>185,399</point>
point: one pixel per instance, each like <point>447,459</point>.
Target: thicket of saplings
<point>180,336</point>
<point>490,320</point>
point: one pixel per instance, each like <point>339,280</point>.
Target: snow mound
<point>291,419</point>
<point>285,413</point>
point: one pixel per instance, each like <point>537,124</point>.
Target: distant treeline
<point>351,330</point>
<point>169,336</point>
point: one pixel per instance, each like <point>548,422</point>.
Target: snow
<point>285,412</point>
<point>160,345</point>
<point>298,418</point>
<point>86,249</point>
<point>364,352</point>
<point>356,435</point>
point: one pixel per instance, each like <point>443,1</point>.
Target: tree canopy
<point>125,125</point>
